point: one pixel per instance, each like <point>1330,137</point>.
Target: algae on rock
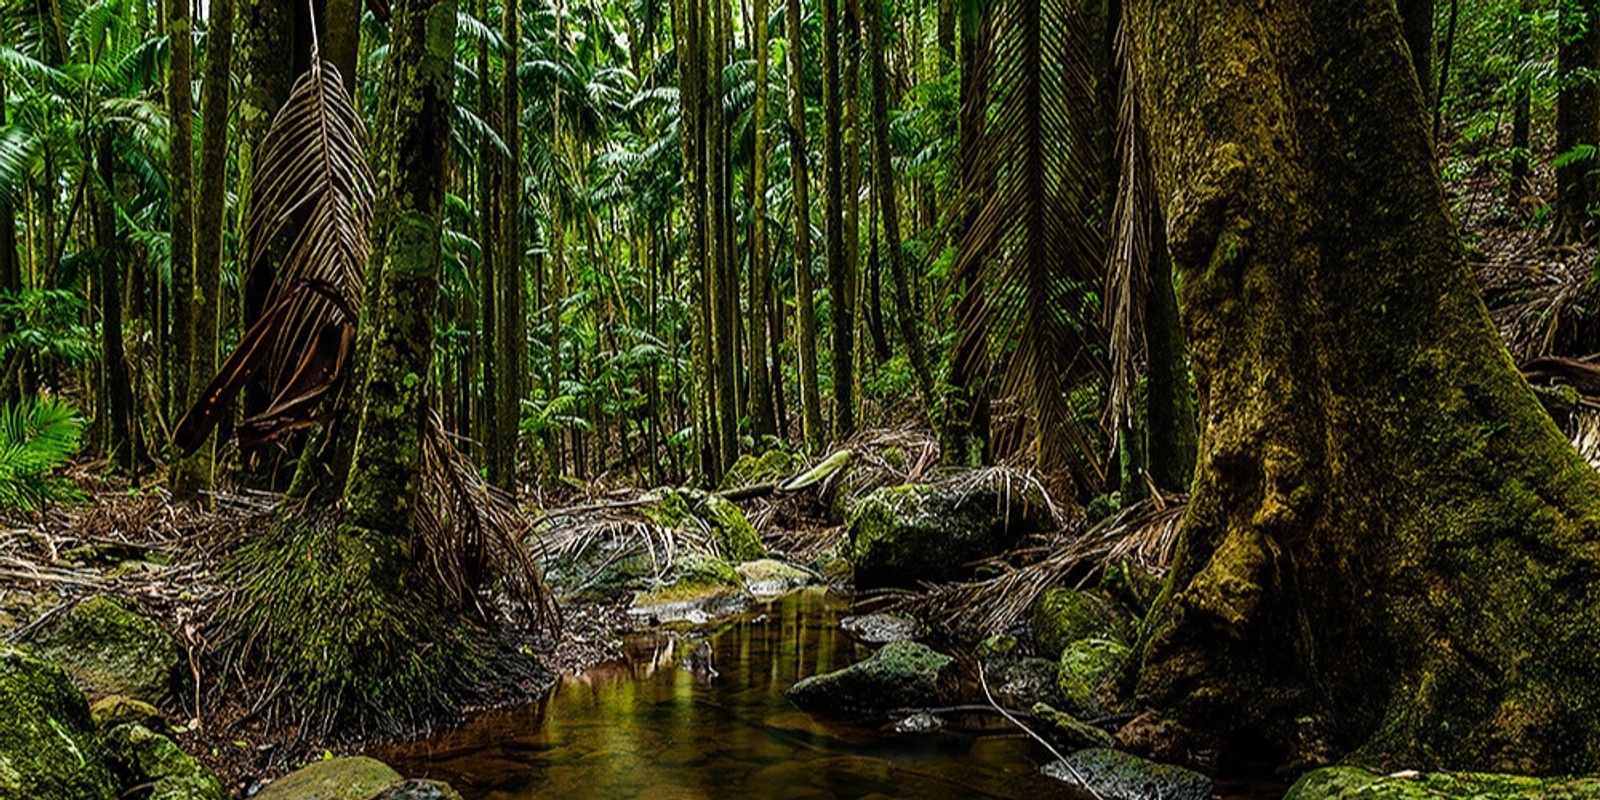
<point>151,759</point>
<point>901,674</point>
<point>1351,783</point>
<point>48,749</point>
<point>1064,616</point>
<point>110,650</point>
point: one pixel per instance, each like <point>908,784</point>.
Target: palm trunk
<point>512,346</point>
<point>799,180</point>
<point>763,421</point>
<point>116,419</point>
<point>180,106</point>
<point>1577,118</point>
<point>842,331</point>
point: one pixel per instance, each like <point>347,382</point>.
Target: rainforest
<point>496,399</point>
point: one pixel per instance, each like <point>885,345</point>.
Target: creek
<point>706,718</point>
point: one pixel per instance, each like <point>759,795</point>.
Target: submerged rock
<point>1115,775</point>
<point>904,535</point>
<point>1064,616</point>
<point>1066,730</point>
<point>110,650</point>
<point>48,749</point>
<point>900,675</point>
<point>153,760</point>
<point>768,577</point>
<point>357,778</point>
<point>1348,783</point>
<point>1087,669</point>
<point>881,628</point>
<point>696,590</point>
<point>418,790</point>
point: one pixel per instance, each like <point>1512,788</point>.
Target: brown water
<point>647,727</point>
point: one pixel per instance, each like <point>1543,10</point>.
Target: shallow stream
<point>657,724</point>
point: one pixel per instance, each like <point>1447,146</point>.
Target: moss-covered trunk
<point>1391,551</point>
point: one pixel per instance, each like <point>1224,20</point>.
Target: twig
<point>983,681</point>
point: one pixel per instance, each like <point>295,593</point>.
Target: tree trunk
<point>1577,118</point>
<point>1416,18</point>
<point>513,345</point>
<point>180,106</point>
<point>842,323</point>
<point>488,176</point>
<point>208,219</point>
<point>1390,547</point>
<point>883,187</point>
<point>763,421</point>
<point>116,417</point>
<point>799,180</point>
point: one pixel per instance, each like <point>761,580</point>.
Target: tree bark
<point>512,350</point>
<point>1577,118</point>
<point>116,409</point>
<point>1416,18</point>
<point>842,322</point>
<point>180,106</point>
<point>799,180</point>
<point>763,420</point>
<point>1390,548</point>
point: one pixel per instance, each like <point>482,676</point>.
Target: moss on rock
<point>1114,774</point>
<point>903,535</point>
<point>751,470</point>
<point>696,590</point>
<point>151,759</point>
<point>1349,783</point>
<point>1088,667</point>
<point>357,778</point>
<point>1064,616</point>
<point>48,749</point>
<point>109,650</point>
<point>676,508</point>
<point>901,674</point>
<point>1066,730</point>
<point>109,712</point>
<point>766,577</point>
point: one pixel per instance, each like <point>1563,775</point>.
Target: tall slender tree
<point>799,183</point>
<point>180,106</point>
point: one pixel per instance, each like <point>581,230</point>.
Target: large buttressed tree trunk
<point>1391,551</point>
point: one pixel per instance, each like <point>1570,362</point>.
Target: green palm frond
<point>36,437</point>
<point>1031,243</point>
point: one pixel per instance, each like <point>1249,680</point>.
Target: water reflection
<point>648,727</point>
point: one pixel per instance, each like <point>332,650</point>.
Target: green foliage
<point>36,437</point>
<point>46,324</point>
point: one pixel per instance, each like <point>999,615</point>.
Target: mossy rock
<point>881,628</point>
<point>676,508</point>
<point>697,590</point>
<point>1340,783</point>
<point>1021,681</point>
<point>150,759</point>
<point>48,749</point>
<point>109,650</point>
<point>109,712</point>
<point>601,571</point>
<point>1068,731</point>
<point>1115,775</point>
<point>751,470</point>
<point>1087,668</point>
<point>904,535</point>
<point>1064,616</point>
<point>900,675</point>
<point>357,778</point>
<point>768,577</point>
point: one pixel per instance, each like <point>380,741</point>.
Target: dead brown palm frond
<point>1143,535</point>
<point>1029,242</point>
<point>312,188</point>
<point>472,535</point>
<point>1129,256</point>
<point>594,537</point>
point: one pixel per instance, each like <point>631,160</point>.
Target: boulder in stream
<point>1115,775</point>
<point>900,675</point>
<point>48,748</point>
<point>697,590</point>
<point>881,628</point>
<point>904,535</point>
<point>1349,783</point>
<point>1088,668</point>
<point>110,650</point>
<point>769,577</point>
<point>356,778</point>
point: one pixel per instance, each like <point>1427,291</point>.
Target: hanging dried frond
<point>1031,242</point>
<point>1128,257</point>
<point>312,188</point>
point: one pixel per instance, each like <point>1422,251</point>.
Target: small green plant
<point>36,437</point>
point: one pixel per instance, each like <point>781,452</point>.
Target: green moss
<point>1350,783</point>
<point>109,712</point>
<point>1064,729</point>
<point>900,674</point>
<point>676,508</point>
<point>904,535</point>
<point>769,577</point>
<point>694,579</point>
<point>357,778</point>
<point>109,649</point>
<point>1088,667</point>
<point>1064,616</point>
<point>1131,585</point>
<point>150,759</point>
<point>48,749</point>
<point>750,470</point>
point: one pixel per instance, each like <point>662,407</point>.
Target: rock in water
<point>1087,669</point>
<point>418,790</point>
<point>1115,775</point>
<point>902,674</point>
<point>881,628</point>
<point>48,749</point>
<point>769,578</point>
<point>1350,783</point>
<point>110,650</point>
<point>1064,616</point>
<point>904,535</point>
<point>358,778</point>
<point>697,590</point>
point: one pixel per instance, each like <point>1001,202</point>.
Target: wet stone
<point>1115,775</point>
<point>881,628</point>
